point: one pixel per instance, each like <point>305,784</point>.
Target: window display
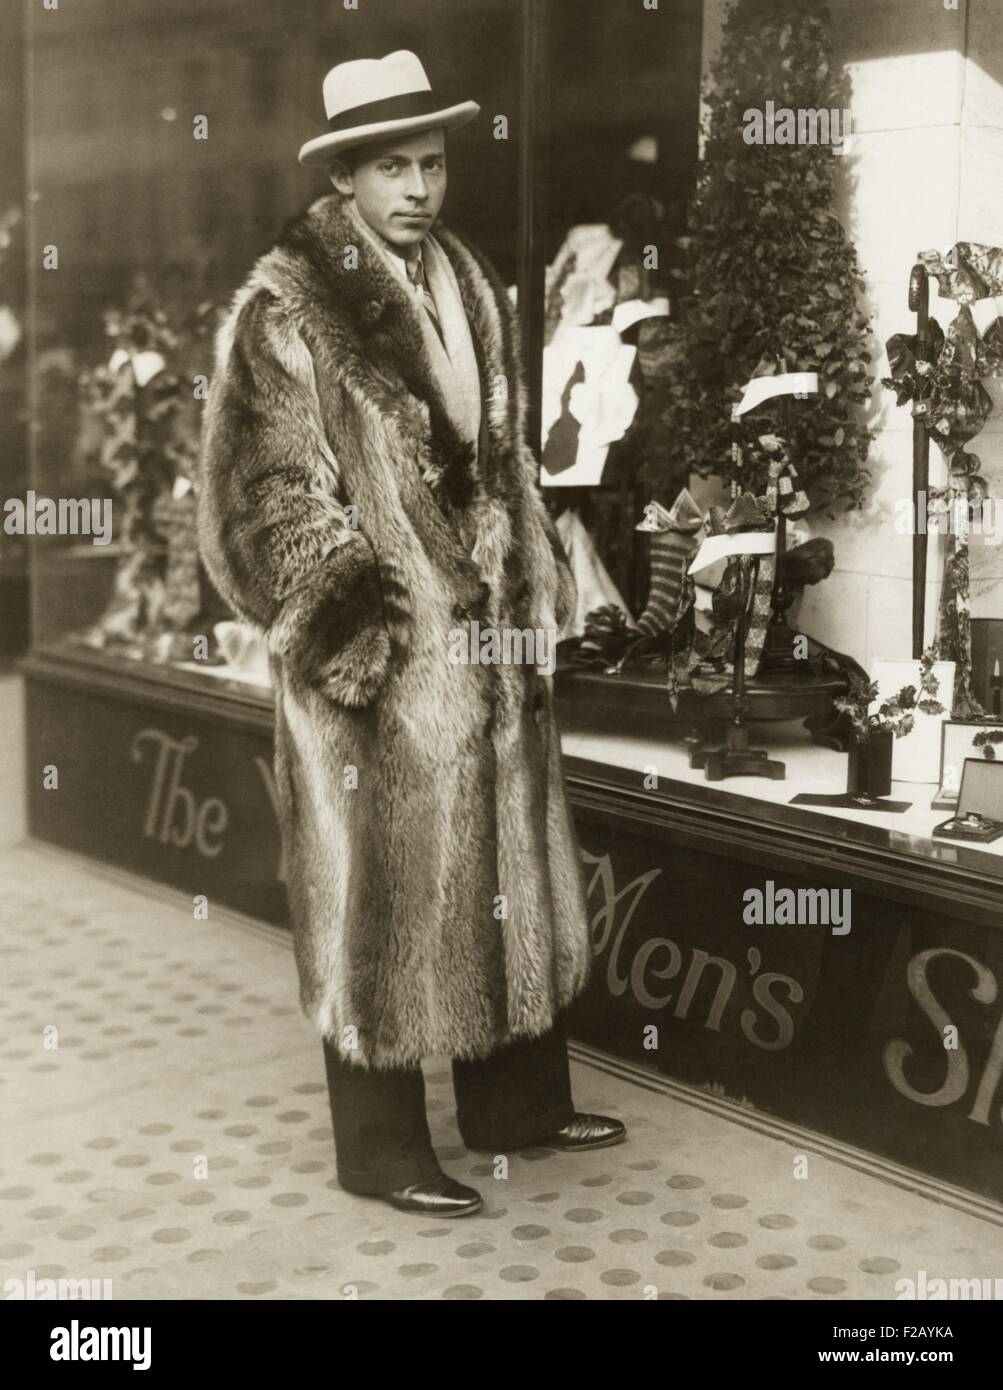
<point>705,360</point>
<point>187,180</point>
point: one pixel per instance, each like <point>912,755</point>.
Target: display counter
<point>838,970</point>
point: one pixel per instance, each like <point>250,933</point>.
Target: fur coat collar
<point>329,273</point>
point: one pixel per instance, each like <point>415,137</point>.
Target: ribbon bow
<point>746,513</point>
<point>964,483</point>
<point>684,517</point>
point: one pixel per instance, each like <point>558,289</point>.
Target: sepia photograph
<point>501,660</point>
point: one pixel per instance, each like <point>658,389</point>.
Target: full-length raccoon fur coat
<point>434,882</point>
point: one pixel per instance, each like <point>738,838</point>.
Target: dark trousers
<point>516,1097</point>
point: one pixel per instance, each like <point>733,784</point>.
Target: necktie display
<point>416,274</point>
<point>561,449</point>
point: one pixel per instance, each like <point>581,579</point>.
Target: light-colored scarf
<point>455,366</point>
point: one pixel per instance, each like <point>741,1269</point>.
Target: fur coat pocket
<point>331,630</point>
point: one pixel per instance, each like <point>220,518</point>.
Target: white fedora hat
<point>373,98</point>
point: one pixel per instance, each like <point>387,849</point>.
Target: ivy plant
<point>771,283</point>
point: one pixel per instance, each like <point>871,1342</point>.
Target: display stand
<point>736,758</point>
<point>919,304</point>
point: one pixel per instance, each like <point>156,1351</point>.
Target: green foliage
<point>894,715</point>
<point>773,282</point>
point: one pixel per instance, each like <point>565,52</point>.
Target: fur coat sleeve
<point>273,530</point>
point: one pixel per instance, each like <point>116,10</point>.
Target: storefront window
<point>146,208</point>
<point>624,109</point>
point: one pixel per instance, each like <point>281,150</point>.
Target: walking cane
<point>919,304</point>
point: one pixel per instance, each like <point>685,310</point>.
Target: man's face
<point>398,186</point>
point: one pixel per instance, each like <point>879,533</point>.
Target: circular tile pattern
<point>583,1215</point>
<point>672,1258</point>
<point>823,1283</point>
<point>679,1218</point>
<point>76,1232</point>
<point>628,1237</point>
<point>776,1261</point>
<point>826,1242</point>
<point>777,1221</point>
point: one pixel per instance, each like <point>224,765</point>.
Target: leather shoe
<point>585,1131</point>
<point>438,1196</point>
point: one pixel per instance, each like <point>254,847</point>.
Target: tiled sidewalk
<point>181,1043</point>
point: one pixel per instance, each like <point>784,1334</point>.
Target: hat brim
<point>326,147</point>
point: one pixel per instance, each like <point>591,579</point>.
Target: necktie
<point>561,449</point>
<point>416,274</point>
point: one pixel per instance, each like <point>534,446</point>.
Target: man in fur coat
<point>366,493</point>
